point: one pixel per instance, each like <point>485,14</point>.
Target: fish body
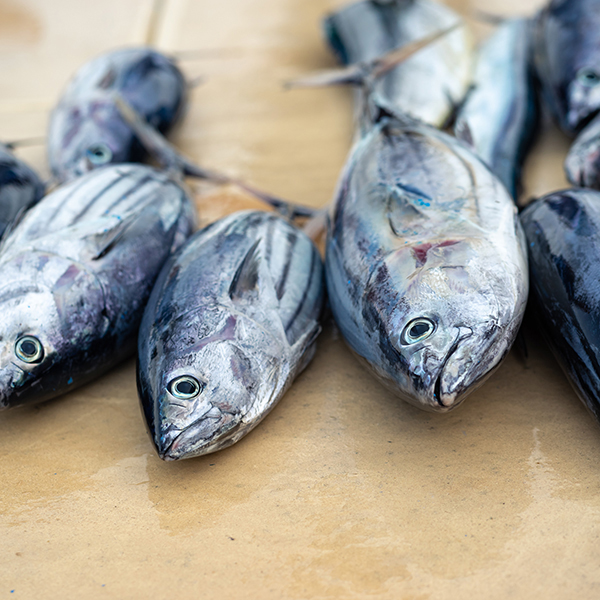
<point>426,266</point>
<point>567,60</point>
<point>498,117</point>
<point>582,164</point>
<point>232,320</point>
<point>75,275</point>
<point>428,85</point>
<point>87,129</point>
<point>20,187</point>
<point>563,233</point>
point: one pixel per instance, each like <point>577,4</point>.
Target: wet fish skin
<point>75,275</point>
<point>86,116</point>
<point>237,309</point>
<point>563,229</point>
<point>582,164</point>
<point>423,230</point>
<point>20,187</point>
<point>499,116</point>
<point>567,60</point>
<point>429,84</point>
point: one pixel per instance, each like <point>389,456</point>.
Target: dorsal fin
<point>245,280</point>
<point>102,243</point>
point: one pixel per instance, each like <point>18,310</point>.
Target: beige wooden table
<point>343,491</point>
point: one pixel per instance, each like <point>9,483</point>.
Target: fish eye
<point>185,387</point>
<point>588,77</point>
<point>417,330</point>
<point>29,349</point>
<point>99,154</point>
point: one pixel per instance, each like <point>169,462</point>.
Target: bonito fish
<point>231,322</point>
<point>75,275</point>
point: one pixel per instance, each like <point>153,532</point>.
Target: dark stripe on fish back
<point>134,188</point>
<point>292,239</point>
<point>94,199</point>
<point>305,293</point>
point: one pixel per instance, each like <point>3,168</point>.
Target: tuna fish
<point>567,59</point>
<point>20,187</point>
<point>75,275</point>
<point>86,128</point>
<point>563,234</point>
<point>499,117</point>
<point>231,322</point>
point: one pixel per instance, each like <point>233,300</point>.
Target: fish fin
<point>365,73</point>
<point>178,165</point>
<point>245,280</point>
<point>100,244</point>
<point>463,132</point>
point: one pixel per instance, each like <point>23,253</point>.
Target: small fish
<point>428,85</point>
<point>426,265</point>
<point>75,275</point>
<point>499,116</point>
<point>582,165</point>
<point>20,187</point>
<point>563,234</point>
<point>86,128</point>
<point>567,59</point>
<point>231,322</point>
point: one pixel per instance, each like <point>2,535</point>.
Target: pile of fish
<point>426,260</point>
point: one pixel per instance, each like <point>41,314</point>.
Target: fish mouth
<point>205,435</point>
<point>446,401</point>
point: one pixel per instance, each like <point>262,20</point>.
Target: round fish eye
<point>588,77</point>
<point>29,349</point>
<point>99,154</point>
<point>417,330</point>
<point>185,387</point>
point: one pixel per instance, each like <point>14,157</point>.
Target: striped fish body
<point>87,130</point>
<point>232,320</point>
<point>499,116</point>
<point>76,273</point>
<point>426,267</point>
<point>563,233</point>
<point>20,187</point>
<point>429,84</point>
<point>567,60</point>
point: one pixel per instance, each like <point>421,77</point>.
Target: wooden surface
<point>343,491</point>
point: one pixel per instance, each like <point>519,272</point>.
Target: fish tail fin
<point>177,164</point>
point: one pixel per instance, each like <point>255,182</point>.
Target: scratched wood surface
<point>343,491</point>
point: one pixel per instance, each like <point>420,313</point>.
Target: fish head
<point>440,330</point>
<point>84,136</point>
<point>50,314</point>
<point>210,382</point>
<point>583,95</point>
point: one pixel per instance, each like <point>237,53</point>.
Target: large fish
<point>426,266</point>
<point>567,59</point>
<point>563,234</point>
<point>86,128</point>
<point>231,322</point>
<point>428,85</point>
<point>498,118</point>
<point>20,187</point>
<point>75,275</point>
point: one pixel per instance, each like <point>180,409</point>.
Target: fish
<point>582,164</point>
<point>232,320</point>
<point>499,115</point>
<point>20,188</point>
<point>86,129</point>
<point>428,85</point>
<point>76,273</point>
<point>563,235</point>
<point>567,60</point>
<point>425,264</point>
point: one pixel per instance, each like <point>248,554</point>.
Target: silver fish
<point>75,275</point>
<point>499,117</point>
<point>429,84</point>
<point>231,322</point>
<point>426,264</point>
